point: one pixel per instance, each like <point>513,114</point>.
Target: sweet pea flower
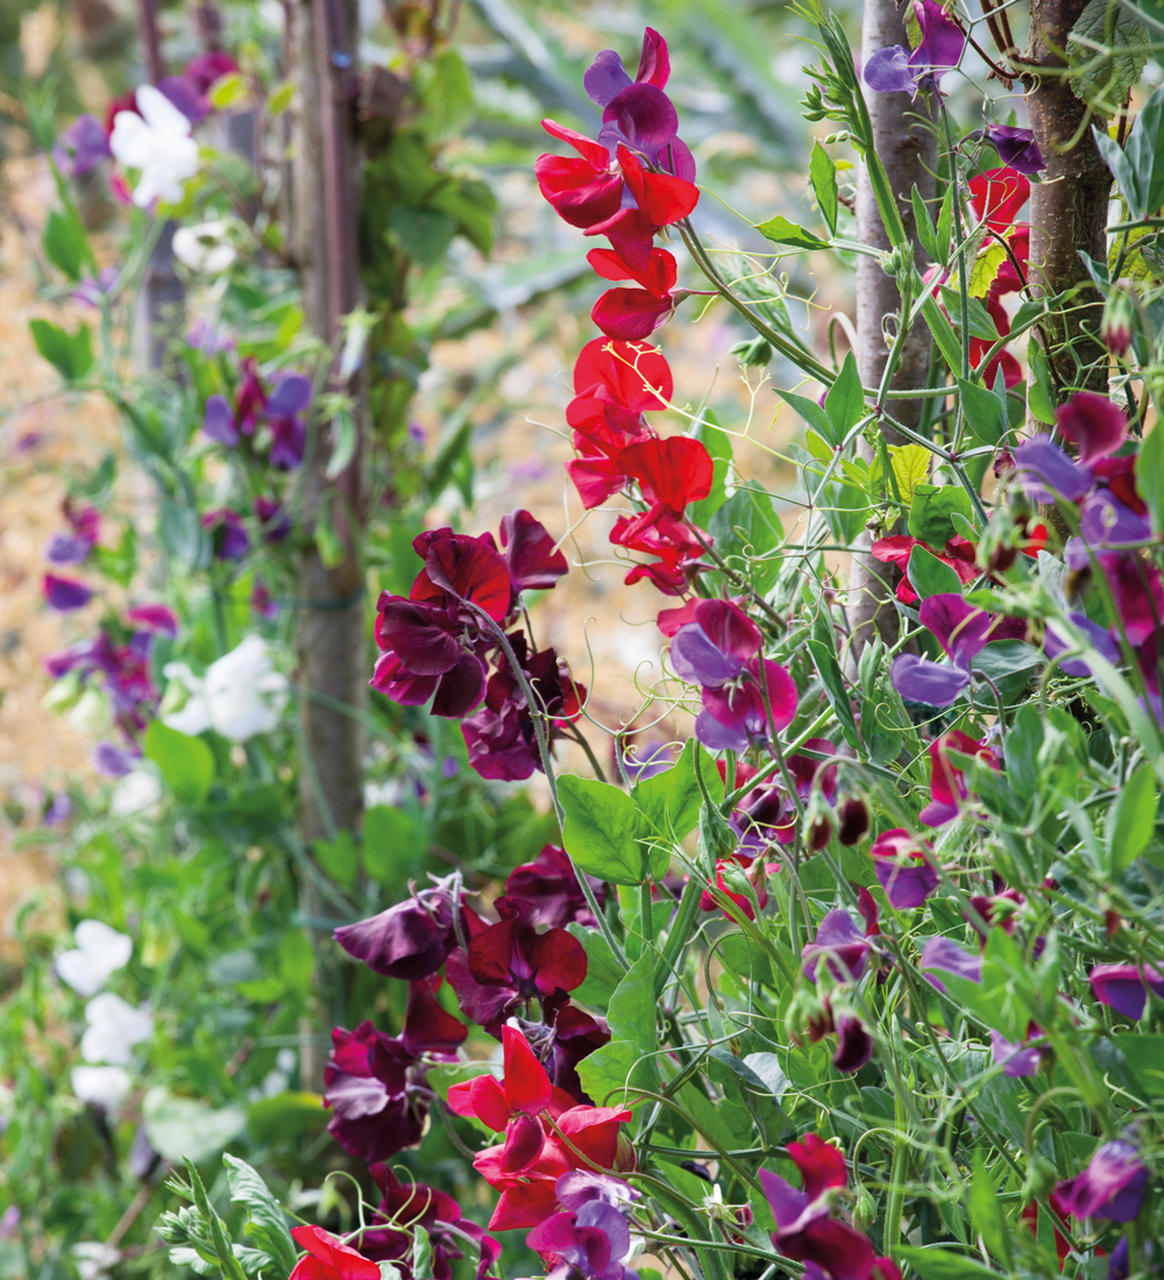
<point>712,650</point>
<point>1125,987</point>
<point>947,782</point>
<point>1112,1186</point>
<point>241,695</point>
<point>228,534</point>
<point>104,1087</point>
<point>606,76</point>
<point>634,313</point>
<point>593,1242</point>
<point>411,939</point>
<point>328,1258</point>
<point>904,869</point>
<point>82,147</point>
<point>896,70</point>
<point>840,944</point>
<point>550,885</point>
<point>1015,1059</point>
<point>735,717</point>
<point>1016,147</point>
<point>114,1027</point>
<point>1094,423</point>
<point>99,953</point>
<point>74,547</point>
<point>1057,641</point>
<point>65,594</point>
<point>947,957</point>
<point>155,139</point>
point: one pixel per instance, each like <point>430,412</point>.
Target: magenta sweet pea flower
<point>903,869</point>
<point>1125,987</point>
<point>841,945</point>
<point>734,717</point>
<point>65,594</point>
<point>963,631</point>
<point>948,788</point>
<point>1112,1186</point>
<point>897,70</point>
<point>712,650</point>
<point>606,77</point>
<point>1097,425</point>
<point>158,619</point>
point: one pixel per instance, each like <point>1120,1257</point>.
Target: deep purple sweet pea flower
<point>533,562</point>
<point>65,594</point>
<point>1016,1060</point>
<point>1112,1186</point>
<point>948,957</point>
<point>82,147</point>
<point>288,441</point>
<point>593,1242</point>
<point>409,940</point>
<point>274,522</point>
<point>1047,474</point>
<point>1017,148</point>
<point>735,718</point>
<point>805,1232</point>
<point>228,534</point>
<point>182,94</point>
<point>854,1045</point>
<point>903,869</point>
<point>1097,425</point>
<point>1125,987</point>
<point>896,70</point>
<point>1117,1266</point>
<point>550,885</point>
<point>290,395</point>
<point>714,648</point>
<point>841,945</point>
<point>1055,643</point>
<point>509,965</point>
<point>219,423</point>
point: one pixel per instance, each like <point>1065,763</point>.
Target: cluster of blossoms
<point>262,419</point>
<point>461,617</point>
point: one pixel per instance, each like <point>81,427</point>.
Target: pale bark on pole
<point>1068,210</point>
<point>331,643</point>
<point>907,147</point>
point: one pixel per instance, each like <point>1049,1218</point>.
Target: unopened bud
<point>625,1159</point>
<point>1040,1180</point>
<point>865,1210</point>
<point>833,138</point>
<point>819,834</point>
<point>898,261</point>
<point>1112,922</point>
<point>854,821</point>
<point>753,352</point>
<point>1119,317</point>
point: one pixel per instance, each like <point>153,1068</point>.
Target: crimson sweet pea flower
<point>947,781</point>
<point>328,1258</point>
<point>997,196</point>
<point>707,901</point>
<point>896,549</point>
<point>509,965</point>
<point>633,313</point>
<point>662,533</point>
<point>904,869</point>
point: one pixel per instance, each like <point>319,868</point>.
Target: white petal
<point>106,1087</point>
<point>77,970</point>
<point>104,944</point>
<point>160,113</point>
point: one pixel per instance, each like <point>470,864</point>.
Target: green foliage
<point>70,354</point>
<point>187,764</point>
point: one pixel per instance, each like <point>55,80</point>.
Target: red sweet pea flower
<point>671,473</point>
<point>948,782</point>
<point>958,553</point>
<point>634,376</point>
<point>633,313</point>
<point>660,533</point>
<point>329,1259</point>
<point>997,196</point>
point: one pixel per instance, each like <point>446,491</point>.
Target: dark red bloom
<point>533,562</point>
<point>510,965</point>
<point>550,885</point>
<point>411,939</point>
<point>328,1258</point>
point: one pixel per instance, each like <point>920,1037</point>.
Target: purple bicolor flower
<point>933,683</point>
<point>409,940</point>
<point>655,758</point>
<point>1017,148</point>
<point>1117,1266</point>
<point>112,761</point>
<point>1106,522</point>
<point>903,869</point>
<point>606,77</point>
<point>805,1232</point>
<point>1125,987</point>
<point>1092,422</point>
<point>274,522</point>
<point>948,957</point>
<point>593,1242</point>
<point>580,1186</point>
<point>58,810</point>
<point>841,945</point>
<point>713,649</point>
<point>67,548</point>
<point>1047,474</point>
<point>182,94</point>
<point>82,146</point>
<point>219,421</point>
<point>896,70</point>
<point>291,395</point>
<point>65,594</point>
<point>1112,1186</point>
<point>1016,1061</point>
<point>159,619</point>
<point>1056,642</point>
<point>228,534</point>
<point>735,718</point>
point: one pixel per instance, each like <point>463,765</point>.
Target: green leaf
<point>812,413</point>
<point>718,444</point>
<point>228,91</point>
<point>986,267</point>
<point>981,325</point>
<point>822,173</point>
<point>446,93</point>
<point>1145,1059</point>
<point>926,232</point>
<point>828,667</point>
<point>1104,74</point>
<point>343,443</point>
<point>1144,154</point>
<point>1117,161</point>
<point>845,402</point>
<point>424,234</point>
<point>929,576</point>
<point>747,529</point>
<point>601,829</point>
<point>986,1212</point>
<point>1022,756</point>
<point>603,972</point>
<point>1131,820</point>
<point>911,466</point>
<point>780,231</point>
<point>71,354</point>
<point>187,764</point>
<point>296,958</point>
<point>985,413</point>
<point>65,243</point>
<point>608,1071</point>
<point>670,801</point>
<point>338,858</point>
<point>1150,475</point>
<point>181,1128</point>
<point>391,845</point>
<point>632,1010</point>
<point>247,1188</point>
<point>943,1264</point>
<point>931,510</point>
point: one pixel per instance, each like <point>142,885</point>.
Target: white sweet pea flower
<point>94,1259</point>
<point>135,793</point>
<point>158,143</point>
<point>204,247</point>
<point>104,1087</point>
<point>241,695</point>
<point>100,952</point>
<point>115,1026</point>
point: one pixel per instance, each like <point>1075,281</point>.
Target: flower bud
<point>1041,1179</point>
<point>819,834</point>
<point>1119,317</point>
<point>854,821</point>
<point>625,1159</point>
<point>753,352</point>
<point>865,1210</point>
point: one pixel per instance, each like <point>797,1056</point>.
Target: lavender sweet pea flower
<point>1125,987</point>
<point>948,957</point>
<point>1056,642</point>
<point>1112,1186</point>
<point>58,810</point>
<point>1047,474</point>
<point>219,421</point>
<point>895,70</point>
<point>67,548</point>
<point>90,291</point>
<point>841,945</point>
<point>1107,522</point>
<point>580,1186</point>
<point>933,683</point>
<point>903,869</point>
<point>1016,1060</point>
<point>65,594</point>
<point>112,761</point>
<point>83,145</point>
<point>713,649</point>
<point>594,1242</point>
<point>1017,148</point>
